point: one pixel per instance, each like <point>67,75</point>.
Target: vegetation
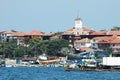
<point>58,33</point>
<point>115,28</point>
<point>50,47</point>
<point>33,47</point>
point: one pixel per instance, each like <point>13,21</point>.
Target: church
<point>76,32</point>
<point>78,28</point>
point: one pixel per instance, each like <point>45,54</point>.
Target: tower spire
<point>78,16</point>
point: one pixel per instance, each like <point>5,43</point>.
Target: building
<point>4,35</point>
<point>76,32</point>
<point>83,44</point>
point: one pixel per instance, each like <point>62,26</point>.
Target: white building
<point>83,43</point>
<point>5,35</point>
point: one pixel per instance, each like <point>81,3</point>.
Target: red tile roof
<point>115,41</point>
<point>19,34</point>
<point>98,33</point>
<point>103,42</point>
<point>86,40</point>
<point>36,33</point>
<point>108,39</point>
<point>71,30</point>
<point>86,29</point>
<point>85,49</point>
<point>1,32</point>
<point>114,32</point>
<point>105,33</point>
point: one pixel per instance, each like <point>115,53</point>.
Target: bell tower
<point>78,22</point>
<point>78,26</point>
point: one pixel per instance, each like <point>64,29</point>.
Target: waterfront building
<point>76,32</point>
<point>83,44</point>
<point>21,36</point>
<point>4,35</point>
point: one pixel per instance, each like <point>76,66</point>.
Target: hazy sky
<point>58,15</point>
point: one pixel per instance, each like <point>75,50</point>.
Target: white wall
<point>111,61</point>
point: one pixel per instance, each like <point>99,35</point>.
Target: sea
<point>53,73</point>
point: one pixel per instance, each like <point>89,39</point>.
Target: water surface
<point>51,73</point>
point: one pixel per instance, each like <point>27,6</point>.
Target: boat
<point>8,65</point>
<point>70,69</point>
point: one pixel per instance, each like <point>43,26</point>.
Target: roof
<point>108,39</point>
<point>98,33</point>
<point>85,49</point>
<point>36,33</point>
<point>86,29</point>
<point>19,34</point>
<point>8,32</point>
<point>116,40</point>
<point>71,30</point>
<point>103,41</point>
<point>114,32</point>
<point>1,32</point>
<point>29,59</point>
<point>86,40</point>
<point>105,33</point>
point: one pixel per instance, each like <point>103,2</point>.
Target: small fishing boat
<point>70,69</point>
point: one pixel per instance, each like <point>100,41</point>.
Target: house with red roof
<point>115,46</point>
<point>20,36</point>
<point>108,42</point>
<point>100,43</point>
<point>40,34</point>
<point>82,45</point>
<point>4,35</point>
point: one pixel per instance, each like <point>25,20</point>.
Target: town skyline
<point>57,16</point>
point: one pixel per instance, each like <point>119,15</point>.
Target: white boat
<point>8,65</point>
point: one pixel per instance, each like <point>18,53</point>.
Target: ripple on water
<point>48,73</point>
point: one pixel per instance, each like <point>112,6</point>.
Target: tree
<point>35,40</point>
<point>7,48</point>
<point>58,33</point>
<point>115,28</point>
<point>33,48</point>
<point>56,45</point>
<point>110,51</point>
<point>51,47</point>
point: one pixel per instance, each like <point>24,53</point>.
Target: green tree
<point>54,46</point>
<point>8,48</point>
<point>33,48</point>
<point>58,33</point>
<point>35,40</point>
<point>115,28</point>
<point>50,47</point>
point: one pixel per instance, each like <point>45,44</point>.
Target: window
<point>82,44</point>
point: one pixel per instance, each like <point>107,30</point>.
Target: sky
<point>58,15</point>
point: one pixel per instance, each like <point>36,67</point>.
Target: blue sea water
<point>53,73</point>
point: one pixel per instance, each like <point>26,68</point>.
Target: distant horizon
<point>58,16</point>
